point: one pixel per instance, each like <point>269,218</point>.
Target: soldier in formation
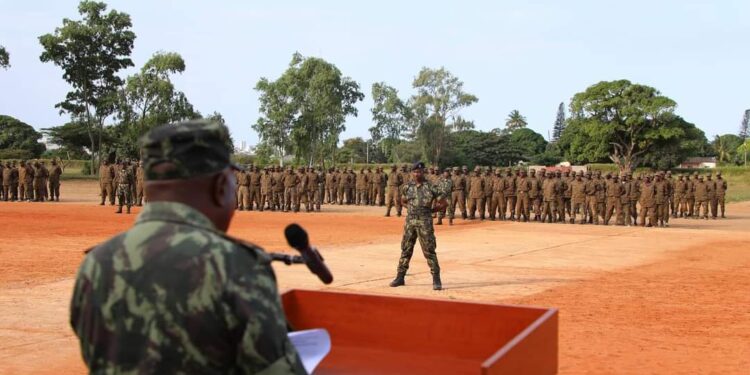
<point>30,181</point>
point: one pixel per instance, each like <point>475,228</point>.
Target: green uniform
<point>174,295</point>
<point>418,224</point>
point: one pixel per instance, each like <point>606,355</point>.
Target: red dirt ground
<point>669,301</point>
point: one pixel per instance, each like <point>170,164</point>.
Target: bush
<point>15,154</point>
<point>86,168</point>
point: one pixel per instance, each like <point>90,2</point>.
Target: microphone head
<point>296,237</point>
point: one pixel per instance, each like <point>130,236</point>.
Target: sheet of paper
<point>312,345</point>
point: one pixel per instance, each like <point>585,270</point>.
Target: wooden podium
<point>372,334</point>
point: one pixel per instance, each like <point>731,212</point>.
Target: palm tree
<point>515,121</point>
<point>723,153</point>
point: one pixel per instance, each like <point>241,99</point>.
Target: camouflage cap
<point>418,165</point>
<point>193,148</point>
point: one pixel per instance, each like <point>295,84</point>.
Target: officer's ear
<point>222,191</point>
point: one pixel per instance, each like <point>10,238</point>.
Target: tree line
<point>303,113</point>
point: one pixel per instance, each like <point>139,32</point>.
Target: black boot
<point>439,221</point>
<point>436,284</point>
<point>399,280</point>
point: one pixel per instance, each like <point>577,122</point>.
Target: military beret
<point>193,148</point>
<point>417,165</point>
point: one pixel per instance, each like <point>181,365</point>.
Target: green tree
<point>623,120</point>
<point>439,99</point>
<point>529,142</point>
<point>472,148</point>
<point>725,146</point>
<point>308,105</point>
<point>91,52</point>
<point>390,116</point>
<point>745,125</point>
<point>668,153</point>
<point>73,139</point>
<point>515,121</point>
<point>743,150</point>
<point>559,126</point>
<point>4,58</point>
<point>17,136</point>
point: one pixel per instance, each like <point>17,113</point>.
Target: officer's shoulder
<point>249,248</point>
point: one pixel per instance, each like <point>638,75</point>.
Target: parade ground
<point>631,300</point>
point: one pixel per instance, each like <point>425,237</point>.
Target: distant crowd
<point>30,181</point>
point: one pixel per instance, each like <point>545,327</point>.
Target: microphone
<point>297,238</point>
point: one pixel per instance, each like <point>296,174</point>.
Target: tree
<point>745,125</point>
<point>4,58</point>
<point>725,147</point>
<point>435,106</point>
<point>529,142</point>
<point>308,105</point>
<point>624,120</point>
<point>472,148</point>
<point>668,153</point>
<point>149,99</point>
<point>91,52</point>
<point>73,139</point>
<point>559,126</point>
<point>743,150</point>
<point>19,137</point>
<point>515,121</point>
<point>390,116</point>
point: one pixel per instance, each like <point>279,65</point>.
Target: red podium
<point>373,334</point>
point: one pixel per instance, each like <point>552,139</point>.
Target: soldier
<point>254,187</point>
<point>266,190</point>
<point>662,200</point>
<point>510,194</point>
<point>549,195</point>
<point>701,191</point>
<point>14,181</point>
<point>330,181</point>
<point>487,200</point>
<point>691,195</point>
<point>497,204</point>
<point>243,192</point>
<point>380,184</point>
<point>320,194</point>
<point>567,194</point>
<point>139,181</point>
<point>229,319</point>
<point>312,189</point>
<point>634,196</point>
<point>343,183</point>
<point>614,193</point>
<point>106,176</point>
<point>523,187</point>
<point>54,181</point>
<point>351,187</point>
<point>418,195</point>
<point>591,188</point>
<point>393,195</point>
<point>680,194</point>
<point>370,193</point>
<point>535,195</point>
<point>476,193</point>
<point>458,195</point>
<point>2,181</point>
<point>672,208</point>
<point>601,194</point>
<point>445,184</point>
<point>278,188</point>
<point>290,182</point>
<point>721,192</point>
<point>302,189</point>
<point>648,202</point>
<point>711,195</point>
<point>361,186</point>
<point>562,186</point>
<point>125,182</point>
<point>578,198</point>
<point>626,217</point>
<point>7,172</point>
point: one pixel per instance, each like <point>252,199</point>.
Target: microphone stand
<point>287,259</point>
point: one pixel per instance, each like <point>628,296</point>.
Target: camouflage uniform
<point>445,184</point>
<point>174,294</point>
<point>419,224</point>
<point>125,181</point>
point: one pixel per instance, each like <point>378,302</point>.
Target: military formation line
<point>30,181</point>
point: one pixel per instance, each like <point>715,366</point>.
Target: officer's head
<point>417,170</point>
<point>189,163</point>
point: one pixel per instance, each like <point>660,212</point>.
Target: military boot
<point>128,210</point>
<point>388,212</point>
<point>399,280</point>
<point>119,210</point>
<point>450,221</point>
<point>436,284</point>
<point>439,221</point>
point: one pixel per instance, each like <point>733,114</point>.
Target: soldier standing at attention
<point>522,196</point>
<point>497,202</point>
<point>266,186</point>
<point>312,188</point>
<point>278,188</point>
<point>54,181</point>
<point>7,171</point>
<point>254,187</point>
<point>549,193</point>
<point>206,303</point>
<point>613,199</point>
<point>701,190</point>
<point>290,181</point>
<point>380,183</point>
<point>711,195</point>
<point>418,196</point>
<point>591,189</point>
<point>330,181</point>
<point>634,195</point>
<point>458,195</point>
<point>510,194</point>
<point>721,192</point>
<point>106,176</point>
<point>567,193</point>
<point>578,198</point>
<point>680,192</point>
<point>243,191</point>
<point>38,182</point>
<point>626,218</point>
<point>691,195</point>
<point>13,181</point>
<point>648,202</point>
<point>361,186</point>
<point>445,184</point>
<point>139,180</point>
<point>534,194</point>
<point>662,200</point>
<point>393,194</point>
<point>125,182</point>
<point>343,183</point>
<point>476,193</point>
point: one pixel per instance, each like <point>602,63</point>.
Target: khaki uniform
<point>701,193</point>
<point>7,193</point>
<point>614,205</point>
<point>591,188</point>
<point>549,195</point>
<point>361,186</point>
<point>476,195</point>
<point>106,177</point>
<point>648,203</point>
<point>54,182</point>
<point>662,202</point>
<point>243,194</point>
<point>458,195</point>
<point>680,196</point>
<point>290,182</point>
<point>578,200</point>
<point>510,195</point>
<point>535,196</point>
<point>721,192</point>
<point>498,198</point>
<point>266,191</point>
<point>523,186</point>
<point>393,192</point>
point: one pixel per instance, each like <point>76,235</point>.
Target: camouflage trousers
<point>418,227</point>
<point>124,197</point>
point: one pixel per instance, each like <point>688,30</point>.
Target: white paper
<point>312,345</point>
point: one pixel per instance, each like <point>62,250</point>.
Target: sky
<point>524,55</point>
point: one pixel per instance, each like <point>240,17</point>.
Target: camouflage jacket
<point>174,295</point>
<point>420,197</point>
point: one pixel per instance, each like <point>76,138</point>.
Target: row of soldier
<point>561,197</point>
<point>30,181</point>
